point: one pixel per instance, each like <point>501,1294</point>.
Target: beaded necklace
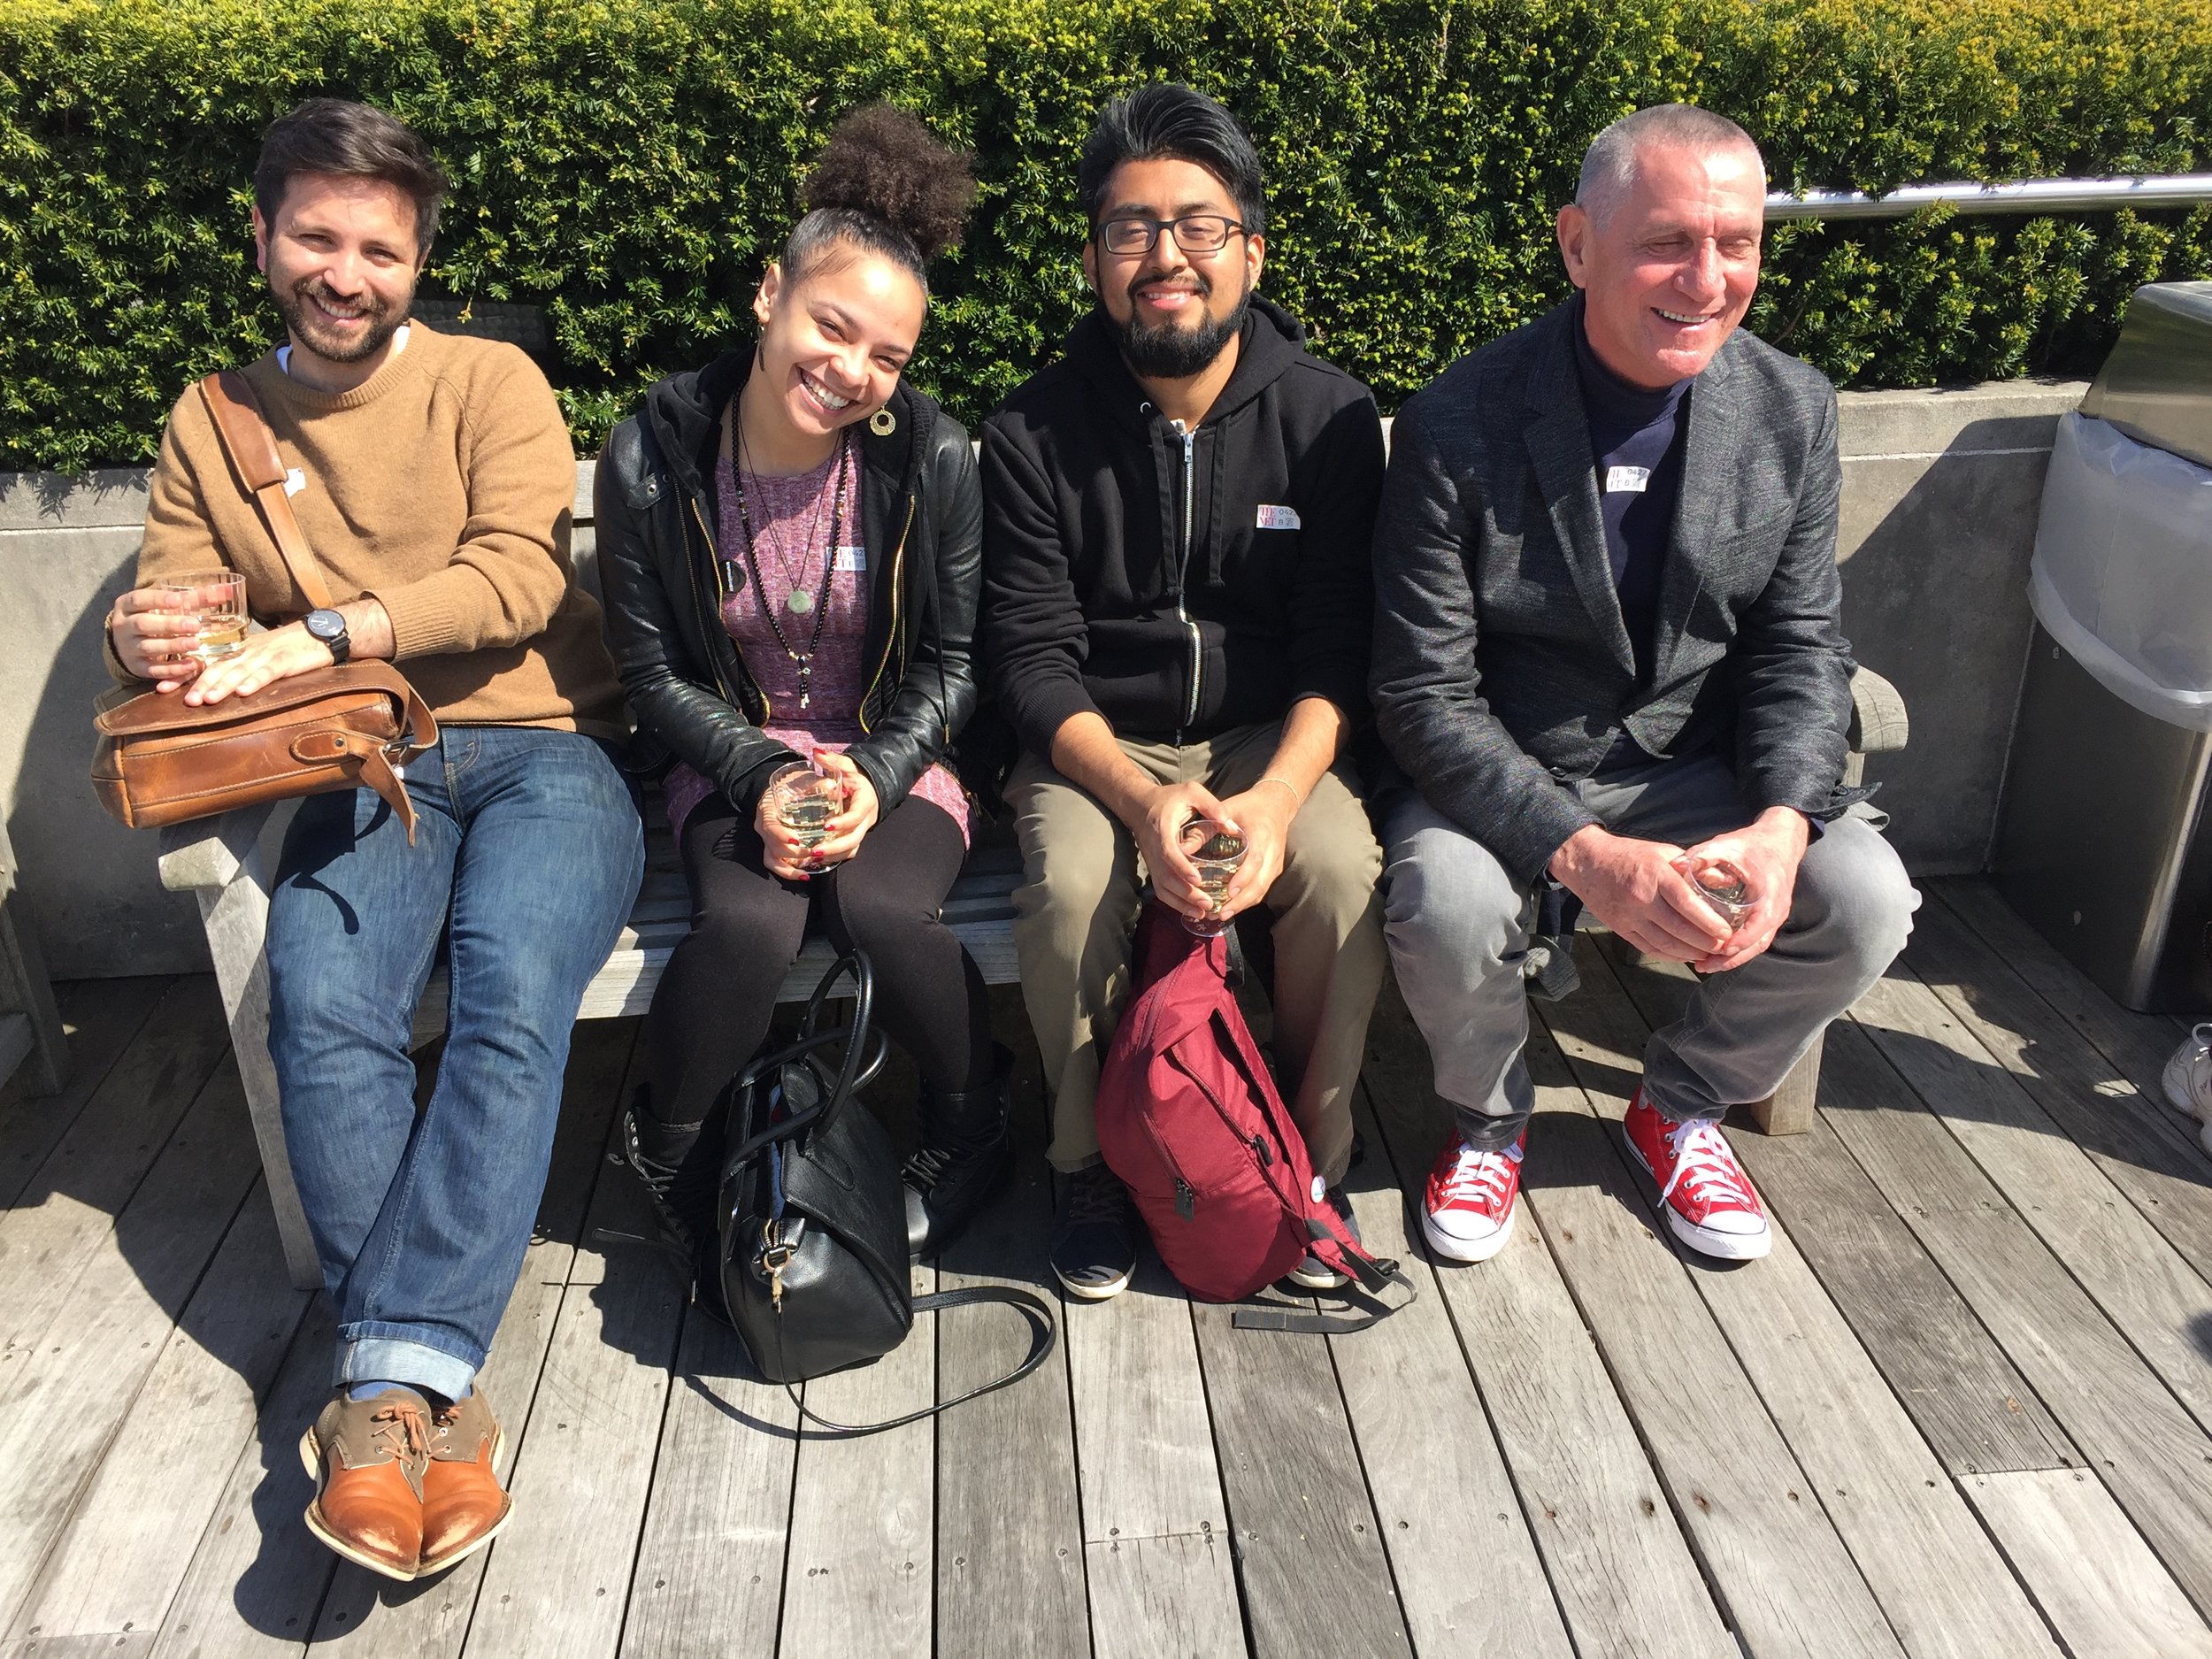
<point>798,601</point>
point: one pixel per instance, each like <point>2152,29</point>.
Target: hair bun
<point>883,162</point>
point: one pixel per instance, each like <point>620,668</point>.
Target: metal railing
<point>2030,196</point>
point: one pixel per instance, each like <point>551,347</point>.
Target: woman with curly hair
<point>790,543</point>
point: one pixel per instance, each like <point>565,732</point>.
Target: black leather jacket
<point>921,521</point>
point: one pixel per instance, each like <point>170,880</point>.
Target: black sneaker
<point>1095,1246</point>
<point>1313,1274</point>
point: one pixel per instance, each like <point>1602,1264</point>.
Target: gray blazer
<point>1502,669</point>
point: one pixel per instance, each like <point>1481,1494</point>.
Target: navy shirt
<point>1636,437</point>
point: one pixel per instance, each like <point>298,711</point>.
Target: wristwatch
<point>329,627</point>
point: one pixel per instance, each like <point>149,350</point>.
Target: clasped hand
<point>1642,889</point>
<point>782,853</point>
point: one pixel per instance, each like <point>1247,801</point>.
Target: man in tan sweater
<point>433,478</point>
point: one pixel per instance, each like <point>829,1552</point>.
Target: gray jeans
<point>1458,927</point>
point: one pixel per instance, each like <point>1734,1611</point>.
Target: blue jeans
<point>528,852</point>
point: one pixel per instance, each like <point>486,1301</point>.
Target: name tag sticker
<point>294,481</point>
<point>1274,517</point>
<point>852,558</point>
<point>1629,479</point>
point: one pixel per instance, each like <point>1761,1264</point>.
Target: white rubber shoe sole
<point>1724,1246</point>
<point>1469,1249</point>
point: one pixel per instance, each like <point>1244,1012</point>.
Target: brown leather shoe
<point>367,1459</point>
<point>463,1504</point>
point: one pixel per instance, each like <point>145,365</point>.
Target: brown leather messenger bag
<point>160,760</point>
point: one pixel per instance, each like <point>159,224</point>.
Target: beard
<point>306,323</point>
<point>1172,351</point>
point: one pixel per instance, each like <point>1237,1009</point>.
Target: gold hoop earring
<point>883,422</point>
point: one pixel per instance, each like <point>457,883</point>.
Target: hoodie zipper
<point>712,624</point>
<point>1189,435</point>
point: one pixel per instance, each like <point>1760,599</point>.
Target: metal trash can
<point>2104,842</point>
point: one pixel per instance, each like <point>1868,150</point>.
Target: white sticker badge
<point>851,559</point>
<point>1274,517</point>
<point>1628,479</point>
<point>294,481</point>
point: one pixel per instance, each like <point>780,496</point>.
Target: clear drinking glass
<point>1216,852</point>
<point>217,600</point>
<point>1722,887</point>
<point>805,801</point>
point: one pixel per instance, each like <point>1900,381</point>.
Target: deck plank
<point>66,1397</point>
<point>62,1215</point>
<point>709,1582</point>
<point>2137,1044</point>
<point>117,1564</point>
<point>101,1016</point>
<point>1010,1551</point>
<point>1316,1580</point>
<point>1944,1588</point>
<point>1780,1568</point>
<point>1438,1480</point>
<point>2122,1418</point>
<point>2100,1586</point>
<point>1963,1392</point>
<point>1624,1573</point>
<point>259,1576</point>
<point>1145,1450</point>
<point>2145,1148</point>
<point>2158,1301</point>
<point>860,1572</point>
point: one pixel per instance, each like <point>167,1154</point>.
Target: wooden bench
<point>227,863</point>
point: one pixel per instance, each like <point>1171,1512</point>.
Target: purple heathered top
<point>791,527</point>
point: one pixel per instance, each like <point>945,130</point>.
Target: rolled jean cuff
<point>394,1359</point>
<point>1487,1132</point>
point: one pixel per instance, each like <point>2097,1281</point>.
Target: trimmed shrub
<point>630,167</point>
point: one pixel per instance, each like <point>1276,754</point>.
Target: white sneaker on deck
<point>1468,1208</point>
<point>2188,1079</point>
<point>1704,1194</point>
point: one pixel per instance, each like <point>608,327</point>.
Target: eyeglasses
<point>1194,233</point>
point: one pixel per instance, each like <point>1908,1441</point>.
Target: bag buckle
<point>776,1252</point>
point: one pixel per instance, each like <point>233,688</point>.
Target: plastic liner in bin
<point>2122,576</point>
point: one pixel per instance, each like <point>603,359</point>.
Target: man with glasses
<point>1176,611</point>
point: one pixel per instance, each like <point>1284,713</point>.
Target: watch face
<point>325,624</point>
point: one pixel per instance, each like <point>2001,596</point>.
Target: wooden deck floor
<point>1961,1411</point>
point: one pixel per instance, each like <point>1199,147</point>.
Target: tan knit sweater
<point>443,486</point>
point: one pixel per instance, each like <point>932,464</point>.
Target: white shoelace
<point>1702,1158</point>
<point>1480,1174</point>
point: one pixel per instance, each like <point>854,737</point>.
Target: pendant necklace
<point>798,601</point>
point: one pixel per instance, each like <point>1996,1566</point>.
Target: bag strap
<point>1374,1278</point>
<point>1044,1333</point>
<point>253,449</point>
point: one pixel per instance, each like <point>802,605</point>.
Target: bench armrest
<point>210,852</point>
<point>1878,724</point>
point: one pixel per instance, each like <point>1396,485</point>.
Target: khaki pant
<point>1078,904</point>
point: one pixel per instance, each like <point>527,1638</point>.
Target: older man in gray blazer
<point>1608,659</point>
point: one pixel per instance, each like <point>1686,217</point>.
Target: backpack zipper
<point>1186,1194</point>
<point>1263,1154</point>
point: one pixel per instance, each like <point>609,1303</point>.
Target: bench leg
<point>1789,1109</point>
<point>236,916</point>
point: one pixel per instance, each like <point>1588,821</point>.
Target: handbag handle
<point>865,1050</point>
<point>1044,1333</point>
<point>251,446</point>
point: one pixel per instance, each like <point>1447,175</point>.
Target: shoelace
<point>1702,1158</point>
<point>400,1425</point>
<point>1094,1195</point>
<point>1480,1173</point>
<point>927,1165</point>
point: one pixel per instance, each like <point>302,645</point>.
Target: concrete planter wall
<point>1940,492</point>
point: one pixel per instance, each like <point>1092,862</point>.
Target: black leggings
<point>718,995</point>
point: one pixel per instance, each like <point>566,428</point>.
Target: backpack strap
<point>1042,1332</point>
<point>1374,1275</point>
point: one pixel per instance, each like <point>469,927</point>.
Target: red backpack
<point>1189,1119</point>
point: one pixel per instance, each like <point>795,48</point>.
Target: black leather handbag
<point>811,1260</point>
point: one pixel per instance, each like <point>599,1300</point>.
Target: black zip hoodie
<point>1178,584</point>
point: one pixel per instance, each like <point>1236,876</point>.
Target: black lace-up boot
<point>965,1151</point>
<point>676,1164</point>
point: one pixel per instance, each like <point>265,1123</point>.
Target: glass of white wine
<point>1724,887</point>
<point>805,801</point>
<point>1216,852</point>
<point>217,600</point>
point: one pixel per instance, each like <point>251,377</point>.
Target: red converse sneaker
<point>1467,1212</point>
<point>1706,1195</point>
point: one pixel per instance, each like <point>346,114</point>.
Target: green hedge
<point>629,166</point>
